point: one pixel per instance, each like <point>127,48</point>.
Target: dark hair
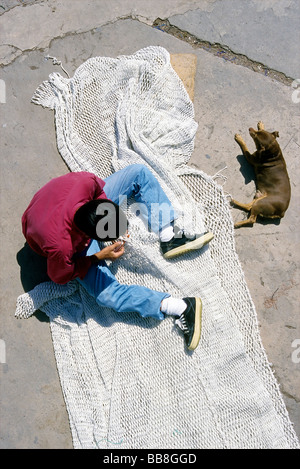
<point>101,219</point>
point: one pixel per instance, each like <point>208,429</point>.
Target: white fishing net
<point>129,382</point>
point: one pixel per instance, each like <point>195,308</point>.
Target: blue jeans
<point>134,180</point>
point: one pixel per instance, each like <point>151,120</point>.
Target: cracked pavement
<point>247,70</point>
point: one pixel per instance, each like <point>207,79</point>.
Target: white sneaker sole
<point>193,245</point>
<point>198,320</point>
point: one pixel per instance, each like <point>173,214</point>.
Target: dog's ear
<point>276,134</point>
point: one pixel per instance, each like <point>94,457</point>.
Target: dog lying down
<point>273,190</point>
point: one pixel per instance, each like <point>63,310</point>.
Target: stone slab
<point>185,66</point>
<point>264,31</point>
<point>227,99</point>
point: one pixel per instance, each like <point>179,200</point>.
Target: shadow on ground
<point>33,271</point>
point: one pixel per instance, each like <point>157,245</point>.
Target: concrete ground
<point>247,70</point>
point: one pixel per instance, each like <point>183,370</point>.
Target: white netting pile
<point>128,382</point>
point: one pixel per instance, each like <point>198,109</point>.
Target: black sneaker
<point>190,322</point>
<point>180,245</point>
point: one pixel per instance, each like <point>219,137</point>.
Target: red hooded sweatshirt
<point>49,228</point>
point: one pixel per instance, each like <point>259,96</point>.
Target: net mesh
<point>127,381</point>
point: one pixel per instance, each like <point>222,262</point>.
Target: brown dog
<point>273,190</point>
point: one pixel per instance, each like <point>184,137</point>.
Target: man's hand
<point>112,252</point>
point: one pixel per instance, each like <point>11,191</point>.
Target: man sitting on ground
<point>66,220</point>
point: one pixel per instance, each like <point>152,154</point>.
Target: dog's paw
<point>238,138</point>
<point>260,125</point>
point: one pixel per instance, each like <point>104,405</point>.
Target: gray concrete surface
<point>228,98</point>
<point>267,31</point>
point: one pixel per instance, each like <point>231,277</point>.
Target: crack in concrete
<point>18,5</point>
<point>218,50</point>
<point>221,51</point>
<point>287,394</point>
<point>40,48</point>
